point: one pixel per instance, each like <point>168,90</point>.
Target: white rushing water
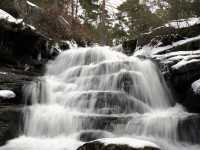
<point>91,93</point>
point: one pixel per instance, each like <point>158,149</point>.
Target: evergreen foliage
<point>133,18</point>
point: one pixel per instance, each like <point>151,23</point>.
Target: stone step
<point>104,102</point>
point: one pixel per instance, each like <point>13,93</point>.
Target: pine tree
<point>140,18</point>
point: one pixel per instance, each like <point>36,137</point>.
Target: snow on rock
<point>183,63</point>
<point>135,143</point>
<point>32,27</point>
<point>196,86</point>
<point>31,4</point>
<point>2,72</point>
<point>183,23</point>
<point>8,17</point>
<point>7,94</point>
<point>151,51</point>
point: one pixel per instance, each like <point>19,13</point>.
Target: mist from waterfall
<point>96,92</point>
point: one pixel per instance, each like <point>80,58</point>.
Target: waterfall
<point>95,92</point>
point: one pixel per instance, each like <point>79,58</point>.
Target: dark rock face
<point>11,122</point>
<point>192,101</point>
<point>16,8</point>
<point>166,39</point>
<point>182,79</point>
<point>14,82</point>
<point>96,145</point>
<point>188,129</point>
<point>129,47</point>
<point>23,54</point>
<point>91,135</point>
<point>19,42</point>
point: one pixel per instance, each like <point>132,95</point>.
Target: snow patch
<point>8,17</point>
<point>183,23</point>
<point>135,143</point>
<point>150,51</point>
<point>2,72</point>
<point>196,86</point>
<point>31,4</point>
<point>183,63</point>
<point>7,94</point>
<point>32,27</point>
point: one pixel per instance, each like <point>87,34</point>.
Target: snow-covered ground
<point>135,143</point>
<point>7,94</point>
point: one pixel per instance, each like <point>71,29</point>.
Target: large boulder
<point>119,144</point>
<point>175,47</point>
<point>21,45</point>
<point>182,78</point>
<point>23,54</point>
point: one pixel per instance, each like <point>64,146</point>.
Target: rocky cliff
<point>175,46</point>
<point>23,54</point>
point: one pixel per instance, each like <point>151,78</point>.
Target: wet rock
<point>23,54</point>
<point>106,123</point>
<point>192,101</point>
<point>112,103</point>
<point>14,82</point>
<point>11,122</point>
<point>91,135</point>
<point>129,47</point>
<point>92,146</point>
<point>188,129</point>
<point>179,78</point>
<point>19,43</point>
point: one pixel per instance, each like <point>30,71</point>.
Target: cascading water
<point>91,93</point>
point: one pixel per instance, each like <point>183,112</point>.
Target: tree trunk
<point>76,11</point>
<point>72,8</point>
<point>103,24</point>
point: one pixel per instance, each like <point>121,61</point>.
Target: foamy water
<point>91,93</point>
